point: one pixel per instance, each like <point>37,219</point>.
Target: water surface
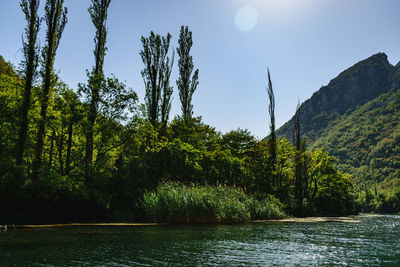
<point>373,241</point>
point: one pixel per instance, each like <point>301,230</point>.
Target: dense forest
<point>96,153</point>
<point>356,119</point>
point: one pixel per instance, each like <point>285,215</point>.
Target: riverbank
<point>351,219</point>
<point>347,219</point>
<point>81,224</point>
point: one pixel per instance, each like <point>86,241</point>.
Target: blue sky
<point>305,43</point>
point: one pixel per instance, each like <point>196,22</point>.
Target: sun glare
<point>246,18</point>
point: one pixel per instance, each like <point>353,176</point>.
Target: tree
<point>196,133</point>
<point>66,113</point>
<point>186,83</point>
<point>98,14</point>
<point>56,18</point>
<point>166,90</point>
<point>73,114</point>
<point>116,103</point>
<point>30,62</point>
<point>272,136</point>
<point>107,100</point>
<point>319,164</point>
<point>156,75</point>
<point>298,161</point>
<point>239,141</point>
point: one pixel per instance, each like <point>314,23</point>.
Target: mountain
<point>356,118</point>
<point>352,88</point>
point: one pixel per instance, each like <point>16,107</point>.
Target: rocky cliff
<point>352,88</point>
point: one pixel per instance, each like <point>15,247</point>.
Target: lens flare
<point>246,18</point>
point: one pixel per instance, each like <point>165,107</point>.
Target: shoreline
<point>350,219</point>
<point>56,225</point>
<point>347,219</point>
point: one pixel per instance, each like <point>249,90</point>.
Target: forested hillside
<point>356,118</point>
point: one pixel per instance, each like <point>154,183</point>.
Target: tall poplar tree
<point>98,14</point>
<point>56,18</point>
<point>156,76</point>
<point>298,161</point>
<point>187,83</point>
<point>272,135</point>
<point>29,63</point>
<point>166,89</point>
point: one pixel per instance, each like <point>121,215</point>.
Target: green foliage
<point>187,81</point>
<point>96,155</point>
<point>238,141</point>
<point>6,68</point>
<point>335,194</point>
<point>10,98</point>
<point>98,11</point>
<point>388,203</point>
<point>174,202</point>
<point>134,157</point>
<point>156,74</point>
<point>196,133</point>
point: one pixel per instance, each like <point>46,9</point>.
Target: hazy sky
<point>305,43</point>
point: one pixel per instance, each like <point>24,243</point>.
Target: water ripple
<point>373,241</point>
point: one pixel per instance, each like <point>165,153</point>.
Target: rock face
<point>396,79</point>
<point>352,88</point>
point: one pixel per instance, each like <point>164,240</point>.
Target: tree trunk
<point>69,147</point>
<point>53,134</point>
<point>60,149</point>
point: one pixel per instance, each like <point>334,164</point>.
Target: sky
<point>304,43</point>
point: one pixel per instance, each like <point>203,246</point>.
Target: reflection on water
<point>374,241</point>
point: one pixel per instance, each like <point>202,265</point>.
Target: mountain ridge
<point>353,87</point>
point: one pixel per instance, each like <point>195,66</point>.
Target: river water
<point>373,240</point>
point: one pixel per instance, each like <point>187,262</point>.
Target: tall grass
<point>177,203</point>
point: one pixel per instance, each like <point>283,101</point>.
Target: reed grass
<point>177,203</point>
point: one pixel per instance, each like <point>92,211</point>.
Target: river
<point>369,240</point>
